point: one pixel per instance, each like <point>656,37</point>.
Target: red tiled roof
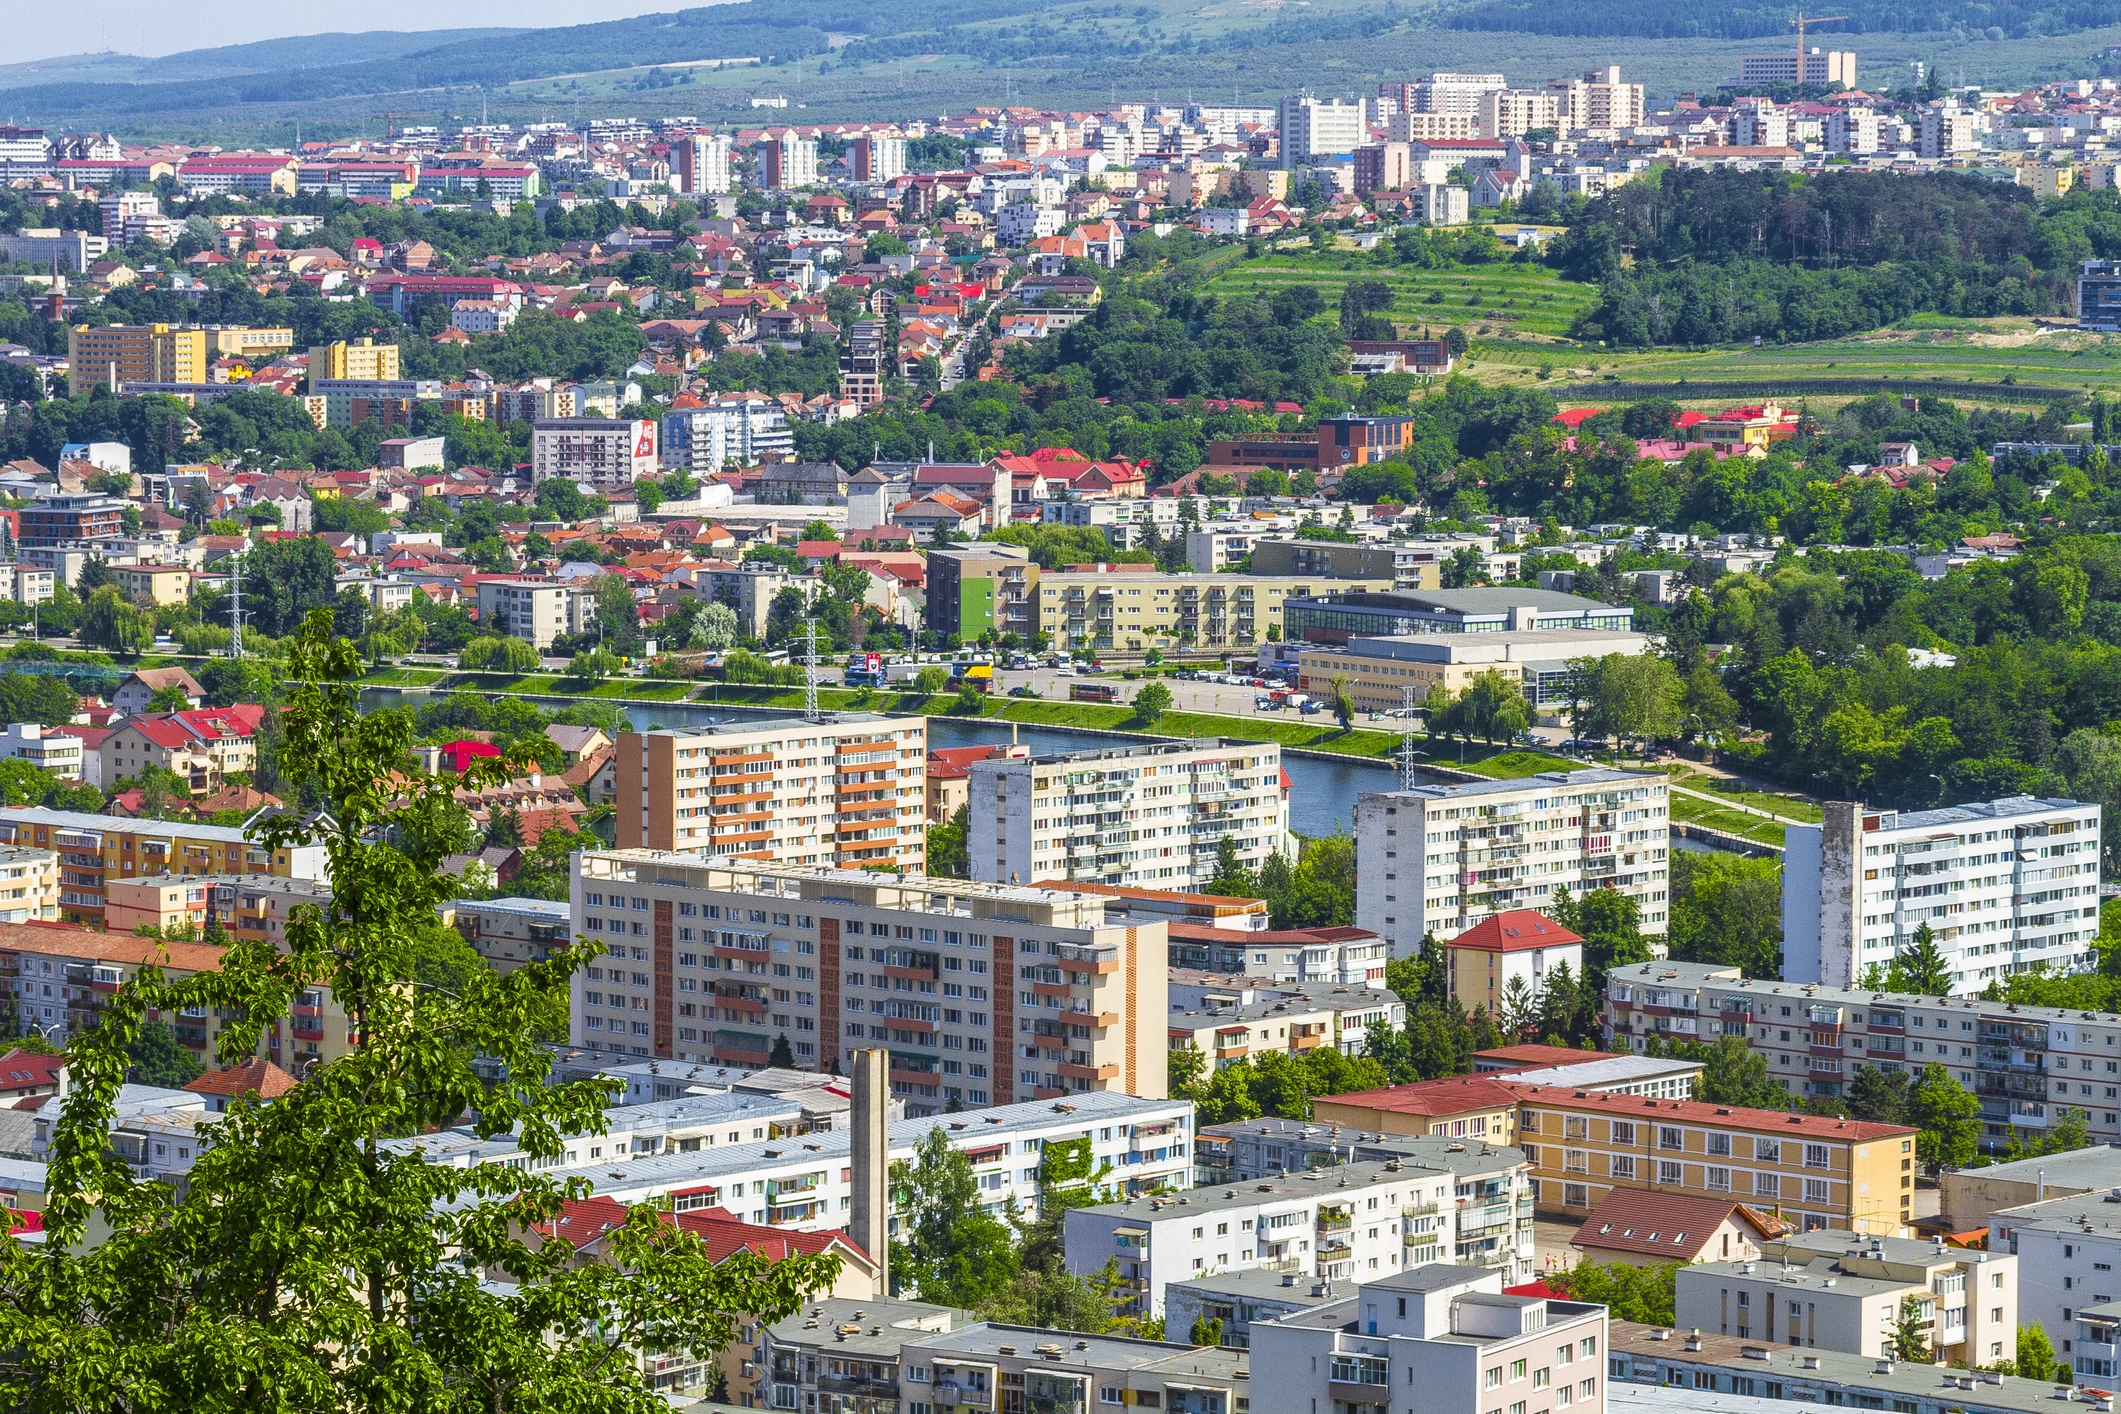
<point>1701,1112</point>
<point>255,1077</point>
<point>1453,1094</point>
<point>723,1235</point>
<point>1519,930</point>
<point>1672,1226</point>
<point>23,1070</point>
<point>1530,1056</point>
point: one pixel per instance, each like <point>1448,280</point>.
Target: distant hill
<point>1749,19</point>
<point>263,56</point>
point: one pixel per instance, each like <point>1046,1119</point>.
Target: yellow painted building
<point>136,353</point>
<point>237,341</point>
<point>1138,607</point>
<point>1811,1170</point>
<point>362,359</point>
<point>94,848</point>
<point>162,584</point>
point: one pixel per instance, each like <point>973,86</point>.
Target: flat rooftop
<point>1598,1074</point>
<point>1341,1182</point>
<point>1589,776</point>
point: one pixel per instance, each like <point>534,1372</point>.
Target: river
<point>1321,795</point>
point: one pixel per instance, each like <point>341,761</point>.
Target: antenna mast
<point>810,709</point>
<point>235,613</point>
<point>1407,778</point>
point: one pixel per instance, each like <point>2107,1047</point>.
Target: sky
<point>156,27</point>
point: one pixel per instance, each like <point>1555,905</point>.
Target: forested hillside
<point>1747,21</point>
<point>1704,257</point>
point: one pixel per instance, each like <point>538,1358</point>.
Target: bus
<point>1093,692</point>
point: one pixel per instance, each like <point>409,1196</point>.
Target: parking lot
<point>1191,695</point>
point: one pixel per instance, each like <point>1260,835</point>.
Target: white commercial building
<point>536,610</point>
<point>595,451</point>
<point>1436,1337</point>
<point>1153,816</point>
<point>1347,1222</point>
<point>41,747</point>
<point>1438,859</point>
<point>2004,886</point>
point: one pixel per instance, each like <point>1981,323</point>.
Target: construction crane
<point>1801,21</point>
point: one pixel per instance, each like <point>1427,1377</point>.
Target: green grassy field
<point>1517,765</point>
<point>1500,299</point>
<point>1789,806</point>
<point>1731,822</point>
<point>1985,353</point>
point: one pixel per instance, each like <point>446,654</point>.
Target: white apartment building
<point>42,747</point>
<point>595,451</point>
<point>1454,93</point>
<point>739,430</point>
<point>1757,122</point>
<point>535,610</point>
<point>803,1181</point>
<point>1508,112</point>
<point>1599,100</point>
<point>1946,132</point>
<point>1321,127</point>
<point>1853,131</point>
<point>1843,1291</point>
<point>786,160</point>
<point>1434,1337</point>
<point>1438,859</point>
<point>703,164</point>
<point>2027,1066</point>
<point>2005,886</point>
<point>849,791</point>
<point>984,994</point>
<point>1228,1019</point>
<point>1153,816</point>
<point>2067,1250</point>
<point>1020,222</point>
<point>1349,1222</point>
<point>29,885</point>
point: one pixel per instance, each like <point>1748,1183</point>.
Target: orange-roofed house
<point>1523,943</point>
<point>256,1079</point>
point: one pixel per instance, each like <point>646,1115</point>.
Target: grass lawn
<point>1498,299</point>
<point>1731,822</point>
<point>556,685</point>
<point>1516,765</point>
<point>1788,806</point>
<point>404,677</point>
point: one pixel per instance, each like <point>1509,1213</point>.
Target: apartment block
<point>1346,956</point>
<point>977,589</point>
<point>1321,127</point>
<point>2066,1250</point>
<point>985,995</point>
<point>2028,1066</point>
<point>119,354</point>
<point>1486,847</point>
<point>2005,886</point>
<point>1343,611</point>
<point>847,792</point>
<point>61,979</point>
<point>864,361</point>
<point>360,360</point>
<point>509,932</point>
<point>1816,1172</point>
<point>1599,100</point>
<point>877,157</point>
<point>1347,1223</point>
<point>29,885</point>
<point>1434,1337</point>
<point>1838,1291</point>
<point>742,430</point>
<point>1406,567</point>
<point>1142,1144</point>
<point>1227,1023</point>
<point>1154,816</point>
<point>1135,608</point>
<point>595,451</point>
<point>786,161</point>
<point>703,164</point>
<point>43,748</point>
<point>1678,1362</point>
<point>536,610</point>
<point>95,848</point>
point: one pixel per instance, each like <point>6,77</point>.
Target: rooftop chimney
<point>870,1223</point>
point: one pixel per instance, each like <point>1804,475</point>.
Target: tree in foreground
<point>309,1266</point>
<point>1948,1118</point>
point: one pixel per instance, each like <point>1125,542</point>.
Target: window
<point>1719,1180</point>
<point>1767,1151</point>
<point>1815,1156</point>
<point>1815,1190</point>
<point>1111,1394</point>
<point>1517,1369</point>
<point>1575,1195</point>
<point>1670,1138</point>
<point>1720,1144</point>
<point>1493,1378</point>
<point>1623,1166</point>
<point>1623,1132</point>
<point>1668,1171</point>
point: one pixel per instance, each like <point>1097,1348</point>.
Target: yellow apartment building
<point>1133,608</point>
<point>136,353</point>
<point>94,849</point>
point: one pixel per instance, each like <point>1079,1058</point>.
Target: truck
<point>979,675</point>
